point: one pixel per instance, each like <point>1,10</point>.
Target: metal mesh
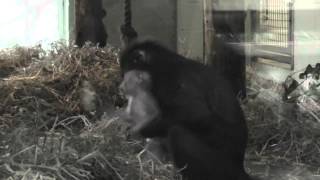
<point>275,23</point>
<point>273,31</point>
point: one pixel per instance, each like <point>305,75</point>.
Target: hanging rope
<point>128,33</point>
<point>127,13</point>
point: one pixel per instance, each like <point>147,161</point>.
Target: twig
<point>266,144</point>
<point>140,163</point>
<point>22,78</point>
<point>31,166</point>
<point>68,173</point>
<point>98,154</point>
<point>291,144</point>
<point>70,120</point>
<point>24,177</point>
<point>22,151</point>
<point>310,112</point>
<point>54,124</point>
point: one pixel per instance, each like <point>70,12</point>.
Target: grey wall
<point>306,33</point>
<point>190,28</point>
<point>150,18</point>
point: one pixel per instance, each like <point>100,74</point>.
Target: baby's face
<point>134,81</point>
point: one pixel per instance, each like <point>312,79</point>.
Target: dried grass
<point>46,130</point>
<point>281,134</point>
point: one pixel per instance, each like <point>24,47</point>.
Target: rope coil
<point>127,13</point>
<point>128,33</point>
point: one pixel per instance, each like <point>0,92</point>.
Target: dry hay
<point>281,134</point>
<point>49,132</point>
<point>11,59</point>
<point>56,120</point>
<point>280,130</point>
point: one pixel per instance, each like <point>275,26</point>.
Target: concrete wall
<point>190,24</point>
<point>230,5</point>
<point>306,33</point>
<point>150,18</point>
<point>190,28</point>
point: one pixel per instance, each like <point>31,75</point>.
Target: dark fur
<point>201,117</point>
<point>90,26</point>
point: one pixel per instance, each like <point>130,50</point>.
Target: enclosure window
<point>273,34</point>
<point>27,22</point>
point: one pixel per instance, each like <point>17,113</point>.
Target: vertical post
<point>291,32</point>
<point>249,32</point>
<point>63,15</point>
<point>208,31</point>
<point>72,21</point>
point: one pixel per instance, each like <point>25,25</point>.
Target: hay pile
<point>59,120</point>
<point>283,134</point>
<point>280,130</point>
<point>57,117</point>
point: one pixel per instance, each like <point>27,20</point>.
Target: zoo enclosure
<point>272,31</point>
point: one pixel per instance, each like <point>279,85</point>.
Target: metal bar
<point>275,28</point>
<point>273,56</point>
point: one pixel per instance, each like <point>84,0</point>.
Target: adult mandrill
<point>200,115</point>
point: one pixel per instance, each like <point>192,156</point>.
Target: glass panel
<point>28,22</point>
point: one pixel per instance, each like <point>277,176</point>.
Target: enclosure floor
<point>261,171</point>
